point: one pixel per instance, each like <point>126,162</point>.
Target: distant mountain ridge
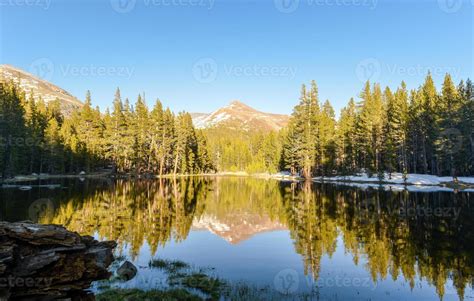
<point>30,83</point>
<point>238,115</point>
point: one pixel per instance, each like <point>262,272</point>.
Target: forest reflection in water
<point>399,234</point>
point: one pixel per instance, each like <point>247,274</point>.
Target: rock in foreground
<point>49,261</point>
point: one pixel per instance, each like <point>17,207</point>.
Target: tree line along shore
<point>418,131</point>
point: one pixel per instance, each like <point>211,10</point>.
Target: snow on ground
<point>414,182</point>
<point>469,180</point>
<point>397,178</point>
<point>399,187</point>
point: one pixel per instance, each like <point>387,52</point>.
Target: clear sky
<point>198,55</point>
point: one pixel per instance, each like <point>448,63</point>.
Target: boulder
<point>127,271</point>
<point>42,261</point>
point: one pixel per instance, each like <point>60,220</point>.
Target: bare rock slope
<point>30,83</point>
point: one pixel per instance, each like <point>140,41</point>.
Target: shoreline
<point>417,180</point>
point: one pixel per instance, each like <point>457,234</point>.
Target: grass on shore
<point>138,295</point>
<point>188,283</point>
<point>170,266</point>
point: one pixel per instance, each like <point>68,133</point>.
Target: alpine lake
<point>264,239</point>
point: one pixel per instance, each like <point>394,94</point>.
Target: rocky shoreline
<point>46,262</point>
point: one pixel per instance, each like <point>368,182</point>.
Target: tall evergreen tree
<point>346,138</point>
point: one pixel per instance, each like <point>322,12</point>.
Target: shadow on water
<point>399,234</point>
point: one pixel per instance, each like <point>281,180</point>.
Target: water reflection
<point>398,235</point>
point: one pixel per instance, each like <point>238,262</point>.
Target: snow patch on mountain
<point>240,116</point>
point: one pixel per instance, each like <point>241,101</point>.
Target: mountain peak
<point>40,88</point>
<point>238,115</point>
<point>237,103</point>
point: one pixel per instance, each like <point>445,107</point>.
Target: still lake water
<point>334,242</point>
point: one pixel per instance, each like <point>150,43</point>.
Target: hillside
<point>240,116</point>
<point>40,88</point>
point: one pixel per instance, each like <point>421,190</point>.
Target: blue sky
<point>198,55</point>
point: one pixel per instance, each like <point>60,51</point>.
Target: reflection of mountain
<point>424,246</point>
<point>237,227</point>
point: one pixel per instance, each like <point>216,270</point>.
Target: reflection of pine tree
<point>134,212</point>
<point>432,248</point>
<point>314,233</point>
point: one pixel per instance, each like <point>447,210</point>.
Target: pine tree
<point>449,142</point>
<point>204,164</point>
<point>370,128</point>
<point>346,138</point>
<point>186,145</point>
<point>90,132</point>
<point>302,147</point>
<point>142,143</point>
<point>290,150</point>
<point>467,128</point>
<point>157,148</point>
<point>117,131</point>
<point>54,147</point>
<point>427,122</point>
<point>12,131</point>
<point>363,128</point>
<point>327,130</point>
<point>168,142</point>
